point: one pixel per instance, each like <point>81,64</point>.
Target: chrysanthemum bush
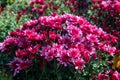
<point>67,40</point>
<point>106,13</point>
<point>38,8</point>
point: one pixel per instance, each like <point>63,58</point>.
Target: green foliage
<point>4,76</point>
<point>8,18</point>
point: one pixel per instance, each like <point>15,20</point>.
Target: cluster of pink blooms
<point>108,5</point>
<point>44,4</point>
<point>109,75</point>
<point>109,11</point>
<point>40,7</point>
<point>69,39</point>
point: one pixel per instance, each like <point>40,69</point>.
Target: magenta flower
<point>79,64</point>
<point>109,75</point>
<point>117,6</point>
<point>103,76</point>
<point>92,38</point>
<point>21,53</point>
<point>115,76</point>
<point>19,64</point>
<point>64,58</point>
<point>74,53</point>
<point>52,35</point>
